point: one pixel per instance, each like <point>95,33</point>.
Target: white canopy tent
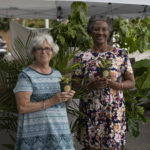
<point>49,8</point>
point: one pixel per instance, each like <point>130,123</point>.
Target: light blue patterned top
<point>46,129</point>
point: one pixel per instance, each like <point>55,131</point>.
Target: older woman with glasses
<point>43,122</point>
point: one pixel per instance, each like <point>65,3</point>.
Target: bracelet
<point>44,105</point>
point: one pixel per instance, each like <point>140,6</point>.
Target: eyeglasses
<point>42,49</point>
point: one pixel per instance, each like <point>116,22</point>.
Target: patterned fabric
<point>46,129</point>
<point>103,125</point>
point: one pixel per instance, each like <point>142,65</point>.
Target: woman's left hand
<point>108,81</point>
<point>128,83</point>
<point>71,94</point>
<point>112,84</point>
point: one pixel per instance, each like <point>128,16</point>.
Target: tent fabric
<point>48,8</point>
<point>21,32</point>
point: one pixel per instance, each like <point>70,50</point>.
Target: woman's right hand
<point>63,96</point>
<point>97,83</point>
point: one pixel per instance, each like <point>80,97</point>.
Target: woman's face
<point>44,53</point>
<point>100,32</point>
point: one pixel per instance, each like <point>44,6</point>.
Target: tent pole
<point>46,23</point>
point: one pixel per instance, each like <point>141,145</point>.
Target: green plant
<point>10,146</point>
<point>69,35</point>
<point>104,68</point>
<point>133,34</point>
<point>137,97</point>
<point>72,37</point>
<point>35,23</point>
<point>4,24</point>
<point>9,71</point>
<point>65,83</point>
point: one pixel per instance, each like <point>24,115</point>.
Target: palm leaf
<point>9,146</point>
<point>9,71</point>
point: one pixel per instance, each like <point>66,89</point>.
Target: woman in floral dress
<point>106,71</point>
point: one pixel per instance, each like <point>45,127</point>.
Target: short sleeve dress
<point>103,125</point>
<point>47,129</point>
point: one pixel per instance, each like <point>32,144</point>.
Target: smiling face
<point>100,32</point>
<point>44,53</point>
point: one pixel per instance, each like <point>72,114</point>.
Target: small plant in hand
<point>104,68</point>
<point>65,84</point>
<point>81,91</point>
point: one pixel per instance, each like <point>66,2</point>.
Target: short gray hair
<point>95,18</point>
<point>38,40</point>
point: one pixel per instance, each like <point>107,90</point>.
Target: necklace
<point>102,50</point>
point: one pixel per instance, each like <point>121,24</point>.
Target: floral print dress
<point>103,125</point>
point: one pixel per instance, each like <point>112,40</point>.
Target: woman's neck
<point>42,68</point>
<point>101,48</point>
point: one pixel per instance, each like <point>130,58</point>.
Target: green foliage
<point>134,112</point>
<point>35,23</point>
<point>68,36</point>
<point>104,67</point>
<point>9,71</point>
<point>10,146</point>
<point>142,75</point>
<point>79,13</point>
<point>133,34</point>
<point>65,80</point>
<point>137,97</point>
<point>4,24</point>
<point>71,38</point>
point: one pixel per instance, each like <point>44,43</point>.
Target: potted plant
<point>104,65</point>
<point>65,84</point>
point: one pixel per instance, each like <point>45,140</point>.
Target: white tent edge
<point>48,8</point>
<point>132,2</point>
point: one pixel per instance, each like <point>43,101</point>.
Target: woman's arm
<point>101,83</point>
<point>97,83</point>
<point>128,83</point>
<point>25,106</point>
